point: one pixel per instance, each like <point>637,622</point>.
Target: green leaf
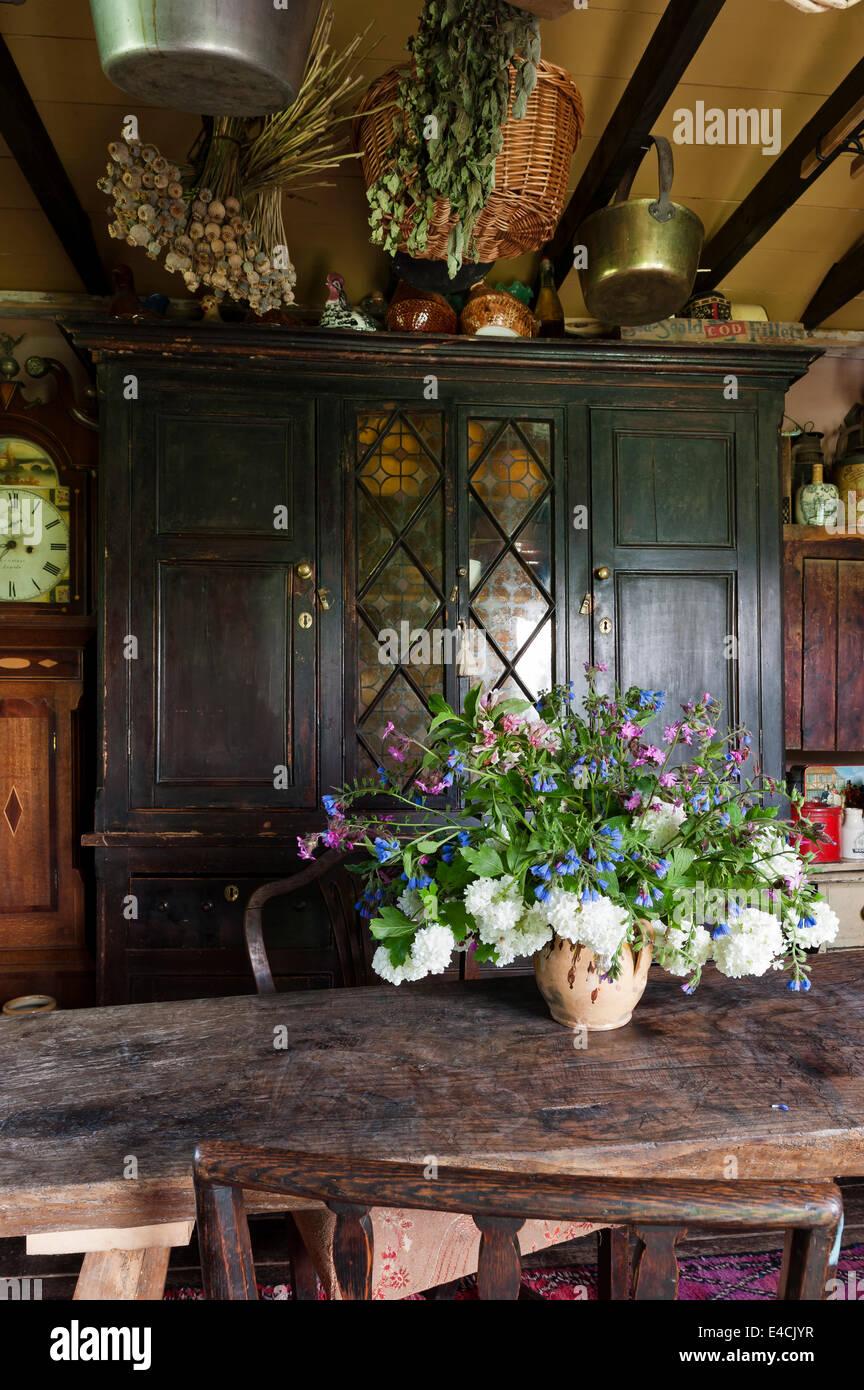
<point>485,861</point>
<point>471,699</point>
<point>391,922</point>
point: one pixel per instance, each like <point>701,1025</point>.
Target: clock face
<point>34,546</point>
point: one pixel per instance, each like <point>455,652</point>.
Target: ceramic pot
<point>816,502</point>
<point>496,314</point>
<point>577,997</point>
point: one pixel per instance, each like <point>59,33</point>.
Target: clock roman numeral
<point>12,593</point>
<point>58,545</point>
<point>36,586</point>
<point>49,524</point>
<point>49,568</point>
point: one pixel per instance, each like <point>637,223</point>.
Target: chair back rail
<point>499,1202</point>
<point>336,890</point>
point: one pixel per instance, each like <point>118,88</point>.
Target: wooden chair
<point>337,892</point>
<point>437,1248</point>
<point>658,1211</point>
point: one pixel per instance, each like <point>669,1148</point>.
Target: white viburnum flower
<point>394,974</point>
<point>600,926</point>
<point>494,903</point>
<point>429,955</point>
<point>661,822</point>
<point>774,859</point>
<point>682,946</point>
<point>827,925</point>
<point>753,944</point>
<point>432,949</point>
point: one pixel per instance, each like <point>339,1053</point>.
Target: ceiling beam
<point>679,33</point>
<point>787,177</point>
<point>843,282</point>
<point>31,145</point>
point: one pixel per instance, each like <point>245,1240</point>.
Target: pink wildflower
<point>670,733</point>
<point>633,802</point>
<point>654,754</point>
<point>630,730</point>
<point>306,845</point>
<point>668,779</point>
<point>686,733</point>
<point>511,723</point>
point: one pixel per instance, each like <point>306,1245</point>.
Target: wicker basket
<point>531,171</point>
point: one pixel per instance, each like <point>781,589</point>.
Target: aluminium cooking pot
<point>220,57</point>
<point>642,253</point>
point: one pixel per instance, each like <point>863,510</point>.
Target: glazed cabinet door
<point>223,610</point>
<point>675,556</point>
<point>401,606</point>
<point>511,548</point>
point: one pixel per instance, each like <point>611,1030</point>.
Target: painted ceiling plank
<point>789,175</point>
<point>679,33</point>
<point>29,142</point>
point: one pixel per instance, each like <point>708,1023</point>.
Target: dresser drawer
<point>207,913</point>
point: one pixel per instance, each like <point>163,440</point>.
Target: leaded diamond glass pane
<point>400,594</point>
<point>509,478</point>
<point>510,606</point>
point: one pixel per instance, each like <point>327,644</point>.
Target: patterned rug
<point>707,1278</point>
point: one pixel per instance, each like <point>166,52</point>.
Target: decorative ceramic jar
<point>852,840</point>
<point>496,314</point>
<point>816,502</point>
<point>579,996</point>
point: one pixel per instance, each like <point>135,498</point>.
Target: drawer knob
<point>232,893</point>
<point>207,907</point>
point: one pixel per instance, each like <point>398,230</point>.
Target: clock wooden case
<point>48,454</point>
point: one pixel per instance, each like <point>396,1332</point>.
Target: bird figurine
<point>338,313</point>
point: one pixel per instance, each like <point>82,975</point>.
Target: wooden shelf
<point>794,532</point>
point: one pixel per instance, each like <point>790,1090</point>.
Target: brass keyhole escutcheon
<point>232,893</point>
<point>605,626</point>
<point>304,570</point>
<point>305,620</point>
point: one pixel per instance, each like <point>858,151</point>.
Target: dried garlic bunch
<point>208,240</point>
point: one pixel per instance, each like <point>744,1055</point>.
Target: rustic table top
<point>100,1109</point>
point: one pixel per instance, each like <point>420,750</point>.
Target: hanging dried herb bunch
<point>451,105</point>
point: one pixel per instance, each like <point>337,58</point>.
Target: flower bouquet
<point>572,837</point>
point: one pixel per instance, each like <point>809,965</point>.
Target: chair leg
<point>499,1269</point>
<point>656,1265</point>
<point>614,1266</point>
<point>227,1268</point>
<point>806,1257</point>
<point>304,1281</point>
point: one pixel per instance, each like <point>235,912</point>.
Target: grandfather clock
<point>48,456</point>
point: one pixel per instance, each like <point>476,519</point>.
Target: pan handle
<point>663,209</point>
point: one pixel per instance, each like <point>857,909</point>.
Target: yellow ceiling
<point>758,53</point>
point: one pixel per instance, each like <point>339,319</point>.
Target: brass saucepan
<point>642,254</point>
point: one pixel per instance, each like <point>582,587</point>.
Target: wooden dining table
<point>101,1109</point>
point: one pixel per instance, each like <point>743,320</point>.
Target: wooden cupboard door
<point>224,614</point>
<point>824,637</point>
<point>674,522</point>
